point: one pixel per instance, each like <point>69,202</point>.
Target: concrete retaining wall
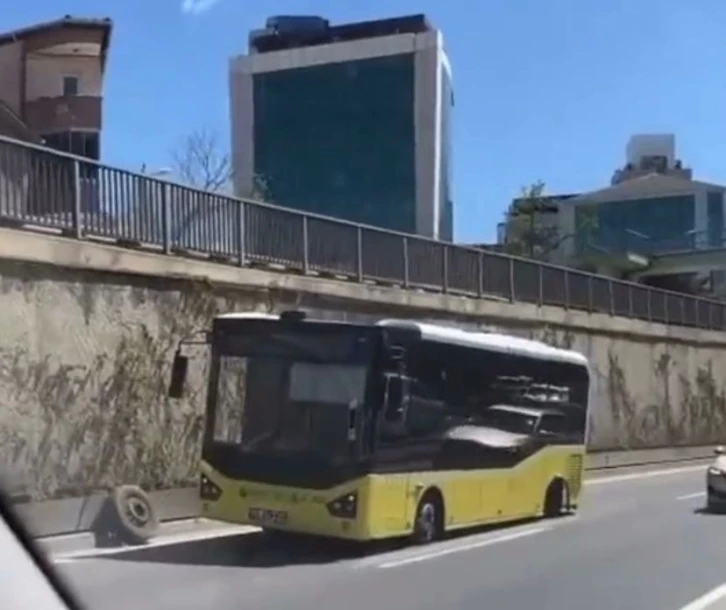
<point>87,332</point>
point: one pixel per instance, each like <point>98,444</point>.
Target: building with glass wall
<point>351,121</point>
<point>645,227</point>
<point>648,224</point>
<point>650,215</point>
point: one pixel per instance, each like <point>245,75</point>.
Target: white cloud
<point>197,7</point>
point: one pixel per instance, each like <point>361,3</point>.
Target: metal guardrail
<point>87,200</point>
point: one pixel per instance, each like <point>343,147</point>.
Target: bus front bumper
<point>332,513</point>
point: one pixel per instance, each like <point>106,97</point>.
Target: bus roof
<point>506,344</point>
<point>492,341</point>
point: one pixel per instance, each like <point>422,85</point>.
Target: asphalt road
<point>640,542</point>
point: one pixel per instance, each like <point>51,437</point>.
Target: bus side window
<point>552,426</point>
<point>426,412</point>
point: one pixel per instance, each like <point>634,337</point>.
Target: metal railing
<point>88,200</point>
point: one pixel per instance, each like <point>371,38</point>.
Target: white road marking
<point>644,475</point>
<point>463,547</point>
<point>698,494</point>
<point>160,541</point>
<point>705,601</point>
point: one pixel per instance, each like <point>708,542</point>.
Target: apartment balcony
<point>64,113</point>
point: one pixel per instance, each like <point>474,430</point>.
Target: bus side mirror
<point>178,375</point>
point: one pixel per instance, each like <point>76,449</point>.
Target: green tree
<point>531,226</point>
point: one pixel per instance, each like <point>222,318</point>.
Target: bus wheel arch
<point>557,498</point>
<point>430,518</point>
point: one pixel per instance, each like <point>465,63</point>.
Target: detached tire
<point>557,499</point>
<point>136,516</point>
<point>429,524</point>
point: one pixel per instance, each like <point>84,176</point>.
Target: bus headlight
<point>344,507</point>
<point>208,490</point>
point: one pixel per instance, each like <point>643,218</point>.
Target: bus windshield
<point>291,392</point>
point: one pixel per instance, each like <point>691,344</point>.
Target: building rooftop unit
<point>651,153</point>
<point>293,31</point>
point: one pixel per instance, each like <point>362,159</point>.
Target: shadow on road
<point>257,550</point>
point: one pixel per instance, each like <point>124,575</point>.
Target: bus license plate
<point>265,515</point>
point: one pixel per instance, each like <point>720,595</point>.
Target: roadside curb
<point>645,457</point>
<point>81,546</point>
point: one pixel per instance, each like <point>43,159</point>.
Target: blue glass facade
<point>338,139</point>
<point>715,220</point>
<point>641,225</point>
<point>446,211</point>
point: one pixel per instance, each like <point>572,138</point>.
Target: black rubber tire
<point>428,525</point>
<point>136,516</point>
<point>557,499</point>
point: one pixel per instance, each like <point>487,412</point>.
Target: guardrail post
<point>242,228</point>
<point>480,274</point>
<point>166,217</point>
<point>445,269</point>
<point>589,294</point>
<point>512,296</point>
<point>611,296</point>
<point>406,262</point>
<point>630,301</point>
<point>649,304</point>
<point>359,253</point>
<point>306,245</point>
<point>77,201</point>
<point>697,307</point>
<point>567,289</point>
<point>540,285</point>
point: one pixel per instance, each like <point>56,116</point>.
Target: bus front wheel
<point>429,523</point>
<point>557,499</point>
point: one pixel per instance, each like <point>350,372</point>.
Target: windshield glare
<point>293,400</point>
<point>509,421</point>
<point>336,384</point>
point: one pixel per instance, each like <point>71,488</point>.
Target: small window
<point>552,425</point>
<point>70,85</point>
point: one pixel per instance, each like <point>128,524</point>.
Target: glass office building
<point>351,121</point>
<point>655,224</point>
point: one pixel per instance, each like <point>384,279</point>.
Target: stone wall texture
<point>85,359</point>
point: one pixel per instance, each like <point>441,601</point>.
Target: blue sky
<point>546,90</point>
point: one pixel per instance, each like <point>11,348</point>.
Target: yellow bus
<point>398,428</point>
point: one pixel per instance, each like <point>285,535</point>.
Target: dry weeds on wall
<point>679,410</point>
<point>110,421</point>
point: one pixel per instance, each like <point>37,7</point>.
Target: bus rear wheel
<point>557,499</point>
<point>429,524</point>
